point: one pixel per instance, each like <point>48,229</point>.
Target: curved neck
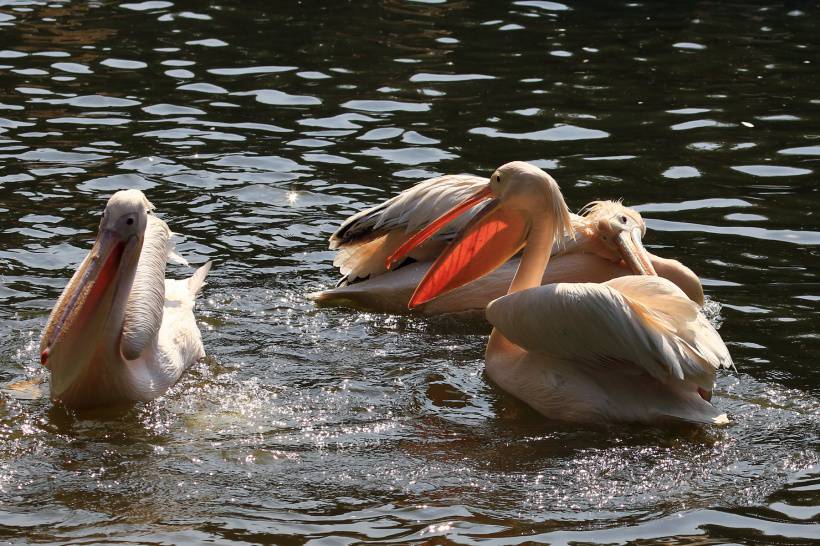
<point>103,326</point>
<point>534,260</point>
<point>535,257</point>
<point>116,313</point>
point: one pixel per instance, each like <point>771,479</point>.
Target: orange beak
<point>85,290</point>
<point>436,225</point>
<point>634,254</point>
<point>491,238</point>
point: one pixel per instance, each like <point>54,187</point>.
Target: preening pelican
<point>606,243</point>
<point>634,348</point>
<point>120,331</point>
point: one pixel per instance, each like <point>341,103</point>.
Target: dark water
<point>256,127</point>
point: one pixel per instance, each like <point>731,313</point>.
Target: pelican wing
<point>408,211</point>
<point>635,320</point>
<point>367,238</point>
<point>143,313</point>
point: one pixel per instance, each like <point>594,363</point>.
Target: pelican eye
<point>498,178</point>
<point>130,221</point>
<point>623,219</point>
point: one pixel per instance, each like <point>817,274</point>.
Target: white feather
<point>143,312</point>
<point>173,256</point>
<point>140,335</point>
<point>637,320</point>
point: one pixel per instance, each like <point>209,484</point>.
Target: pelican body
<point>631,349</point>
<point>605,242</point>
<point>120,332</point>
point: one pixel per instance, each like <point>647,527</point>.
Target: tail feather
<point>197,280</point>
<point>705,418</point>
<point>346,296</point>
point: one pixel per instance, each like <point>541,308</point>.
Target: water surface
<point>256,128</point>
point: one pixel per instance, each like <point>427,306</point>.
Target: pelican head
<point>525,206</point>
<point>531,192</point>
<point>620,231</point>
<point>86,321</point>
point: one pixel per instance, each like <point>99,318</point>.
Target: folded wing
<point>642,321</point>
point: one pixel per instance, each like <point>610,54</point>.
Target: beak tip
<point>416,301</point>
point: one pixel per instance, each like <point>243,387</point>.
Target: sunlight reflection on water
<point>255,131</point>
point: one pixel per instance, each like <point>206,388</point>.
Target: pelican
<point>120,332</point>
<point>606,243</point>
<point>631,349</point>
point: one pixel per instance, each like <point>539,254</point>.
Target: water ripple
<point>558,133</point>
<point>256,130</point>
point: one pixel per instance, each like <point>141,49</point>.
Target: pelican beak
<point>86,291</point>
<point>493,236</point>
<point>419,237</point>
<point>633,253</point>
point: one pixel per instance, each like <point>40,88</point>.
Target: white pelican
<point>120,331</point>
<point>632,349</point>
<point>606,244</point>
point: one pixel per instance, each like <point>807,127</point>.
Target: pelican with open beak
<point>605,242</point>
<point>120,332</point>
<point>633,348</point>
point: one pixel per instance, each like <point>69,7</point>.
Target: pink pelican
<point>606,242</point>
<point>634,348</point>
<point>120,332</point>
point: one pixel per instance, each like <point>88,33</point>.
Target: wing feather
<point>642,320</point>
<point>366,239</point>
<point>664,302</point>
<point>408,211</point>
